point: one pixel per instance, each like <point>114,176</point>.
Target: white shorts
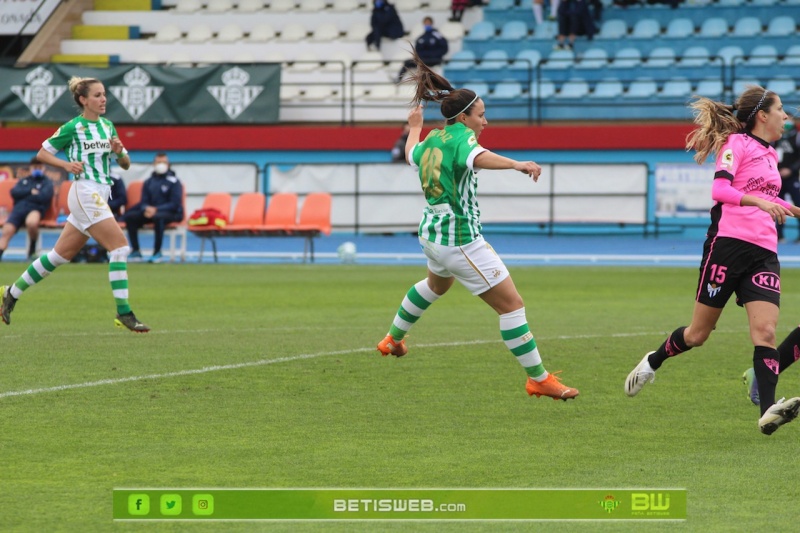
<point>476,265</point>
<point>88,204</point>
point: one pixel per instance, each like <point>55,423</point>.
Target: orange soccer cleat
<point>390,346</point>
<point>551,387</point>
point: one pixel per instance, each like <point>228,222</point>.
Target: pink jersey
<point>750,165</point>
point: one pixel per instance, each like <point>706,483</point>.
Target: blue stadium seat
<point>607,89</point>
<point>680,28</point>
<point>782,86</point>
<point>792,56</point>
<point>742,83</point>
<point>781,26</point>
<point>714,27</point>
<point>514,30</point>
<point>507,90</point>
<point>493,60</point>
<point>731,54</point>
<point>501,5</point>
<point>731,3</point>
<point>768,2</point>
<point>695,56</point>
<point>710,88</point>
<point>676,88</point>
<point>461,60</point>
<point>545,31</point>
<point>612,29</point>
<point>747,27</point>
<point>642,88</point>
<point>559,59</point>
<point>627,58</point>
<point>646,29</point>
<point>763,55</point>
<point>542,89</point>
<point>481,31</point>
<point>527,58</point>
<point>478,87</point>
<point>662,56</point>
<point>593,58</point>
<point>573,89</point>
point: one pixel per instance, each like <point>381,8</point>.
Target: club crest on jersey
<point>38,95</point>
<point>768,280</point>
<point>135,96</point>
<point>472,141</point>
<point>235,96</point>
<point>713,289</point>
<point>726,160</point>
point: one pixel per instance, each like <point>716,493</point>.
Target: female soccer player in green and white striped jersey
<point>89,141</point>
<point>450,230</point>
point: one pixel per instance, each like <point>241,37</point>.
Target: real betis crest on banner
<point>147,94</point>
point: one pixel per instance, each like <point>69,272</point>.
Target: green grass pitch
<point>266,376</point>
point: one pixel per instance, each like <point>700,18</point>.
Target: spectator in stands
<point>574,18</point>
<point>538,10</point>
<point>788,149</point>
<point>450,230</point>
<point>119,196</point>
<point>88,159</point>
<point>32,197</point>
<point>740,252</point>
<point>162,203</point>
<point>385,22</point>
<point>431,47</point>
<point>399,148</point>
<point>457,8</point>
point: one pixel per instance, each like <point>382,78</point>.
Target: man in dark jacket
<point>162,203</point>
<point>385,22</point>
<point>431,47</point>
<point>32,197</point>
<point>119,196</point>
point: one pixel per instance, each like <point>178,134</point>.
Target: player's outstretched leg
<point>7,303</point>
<point>640,375</point>
<point>781,412</point>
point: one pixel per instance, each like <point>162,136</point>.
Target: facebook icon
<point>138,504</point>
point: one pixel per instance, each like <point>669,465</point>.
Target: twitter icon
<point>171,504</point>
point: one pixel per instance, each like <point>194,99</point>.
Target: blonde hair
<point>432,87</point>
<point>717,121</point>
<point>80,87</point>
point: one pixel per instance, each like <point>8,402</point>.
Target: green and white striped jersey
<point>87,142</point>
<point>444,158</point>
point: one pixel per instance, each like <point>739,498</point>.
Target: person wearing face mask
<point>385,22</point>
<point>162,203</point>
<point>431,47</point>
<point>32,196</point>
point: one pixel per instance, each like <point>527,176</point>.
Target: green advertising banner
<point>147,94</point>
<point>400,504</point>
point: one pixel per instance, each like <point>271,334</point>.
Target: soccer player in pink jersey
<point>740,251</point>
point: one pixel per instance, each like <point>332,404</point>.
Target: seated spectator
<point>457,8</point>
<point>32,197</point>
<point>162,203</point>
<point>574,19</point>
<point>385,22</point>
<point>431,47</point>
<point>538,10</point>
<point>399,148</point>
<point>119,196</point>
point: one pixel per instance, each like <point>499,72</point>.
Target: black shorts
<point>18,216</point>
<point>733,266</point>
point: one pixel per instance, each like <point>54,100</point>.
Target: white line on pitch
<point>262,362</point>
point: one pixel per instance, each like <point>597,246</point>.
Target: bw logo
<point>235,96</point>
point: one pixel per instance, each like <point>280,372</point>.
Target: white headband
<point>469,104</point>
<point>756,108</point>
